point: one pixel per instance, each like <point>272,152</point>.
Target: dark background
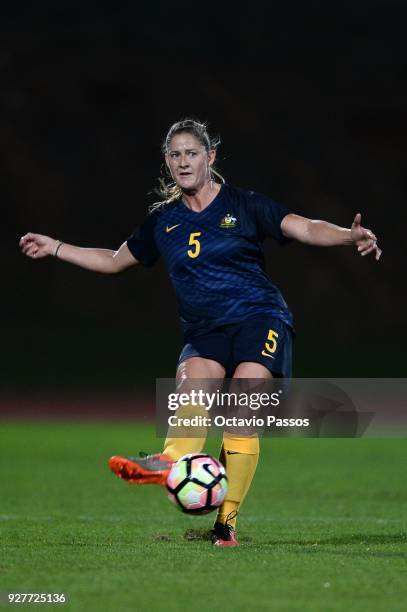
<point>309,99</point>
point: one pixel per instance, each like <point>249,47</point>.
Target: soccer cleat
<point>145,469</point>
<point>224,535</point>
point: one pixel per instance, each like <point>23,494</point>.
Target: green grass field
<point>324,527</point>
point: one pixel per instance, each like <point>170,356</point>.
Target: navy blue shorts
<point>264,340</point>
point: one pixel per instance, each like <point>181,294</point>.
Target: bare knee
<point>198,368</point>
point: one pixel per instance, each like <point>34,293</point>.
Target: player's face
<point>189,162</point>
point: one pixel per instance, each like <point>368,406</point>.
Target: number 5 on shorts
<point>271,346</point>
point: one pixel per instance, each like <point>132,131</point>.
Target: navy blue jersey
<point>215,257</point>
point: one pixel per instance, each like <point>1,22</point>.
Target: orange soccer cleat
<point>145,469</point>
<point>224,535</point>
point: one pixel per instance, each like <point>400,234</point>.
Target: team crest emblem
<point>228,221</point>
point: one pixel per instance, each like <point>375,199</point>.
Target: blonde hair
<point>168,190</point>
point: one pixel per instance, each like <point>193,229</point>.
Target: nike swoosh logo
<point>267,355</point>
<point>169,229</point>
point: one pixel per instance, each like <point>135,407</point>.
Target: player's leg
<point>262,349</point>
<point>194,373</point>
<point>239,455</point>
<point>153,469</point>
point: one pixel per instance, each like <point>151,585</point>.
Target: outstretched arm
<point>322,233</point>
<point>107,261</point>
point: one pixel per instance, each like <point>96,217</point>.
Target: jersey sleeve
<point>269,215</point>
<point>142,244</point>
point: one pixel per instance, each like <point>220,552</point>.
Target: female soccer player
<point>235,321</point>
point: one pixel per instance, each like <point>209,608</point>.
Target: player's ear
<point>211,157</point>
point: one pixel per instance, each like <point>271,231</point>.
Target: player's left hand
<point>364,239</point>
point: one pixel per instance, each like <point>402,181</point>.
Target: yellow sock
<point>228,509</point>
<point>179,441</point>
<point>240,457</point>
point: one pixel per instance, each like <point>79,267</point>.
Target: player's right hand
<point>37,246</point>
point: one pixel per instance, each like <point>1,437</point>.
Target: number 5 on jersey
<point>271,346</point>
<point>195,243</point>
